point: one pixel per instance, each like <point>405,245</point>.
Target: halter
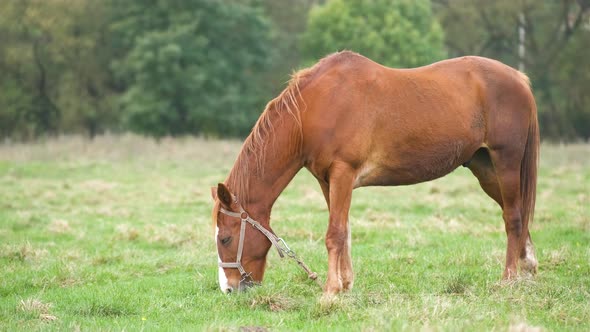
<point>278,242</point>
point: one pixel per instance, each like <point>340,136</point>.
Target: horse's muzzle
<point>243,285</point>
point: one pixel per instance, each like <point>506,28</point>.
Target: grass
<point>115,234</point>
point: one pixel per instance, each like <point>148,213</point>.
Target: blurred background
<point>208,67</point>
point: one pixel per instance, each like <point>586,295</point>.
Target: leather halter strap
<point>245,218</point>
<point>278,242</point>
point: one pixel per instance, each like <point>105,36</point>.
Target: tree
<point>399,33</point>
<point>28,60</point>
<point>190,67</point>
<point>557,57</point>
<point>54,74</point>
<point>289,19</point>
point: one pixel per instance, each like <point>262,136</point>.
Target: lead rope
<point>283,248</point>
<point>278,242</point>
<point>291,254</point>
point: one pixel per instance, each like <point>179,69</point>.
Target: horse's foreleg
<point>340,274</point>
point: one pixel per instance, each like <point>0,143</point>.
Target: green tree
<point>52,57</point>
<point>28,61</point>
<point>557,57</point>
<point>399,33</point>
<point>190,67</point>
<point>289,19</point>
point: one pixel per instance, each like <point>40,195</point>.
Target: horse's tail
<point>528,170</point>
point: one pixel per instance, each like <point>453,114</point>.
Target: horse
<point>352,122</point>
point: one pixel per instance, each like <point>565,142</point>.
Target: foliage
<point>52,62</point>
<point>190,65</point>
<point>399,33</point>
<point>557,56</point>
<point>289,19</point>
<point>207,67</point>
<point>115,234</point>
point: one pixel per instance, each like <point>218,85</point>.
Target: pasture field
<point>115,234</point>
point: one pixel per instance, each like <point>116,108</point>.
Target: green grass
<point>115,234</point>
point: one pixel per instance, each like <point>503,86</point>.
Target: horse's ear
<point>214,193</point>
<point>224,195</point>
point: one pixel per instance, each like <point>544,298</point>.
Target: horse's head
<point>241,248</point>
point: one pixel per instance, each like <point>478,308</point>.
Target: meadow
<point>115,234</point>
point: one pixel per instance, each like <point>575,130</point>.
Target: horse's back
<point>405,126</point>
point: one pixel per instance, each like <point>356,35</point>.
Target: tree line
<point>207,67</point>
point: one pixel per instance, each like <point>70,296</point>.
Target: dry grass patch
<point>59,226</point>
<point>23,252</point>
<point>462,224</point>
<point>97,186</point>
<point>302,234</point>
<point>110,211</point>
<point>448,225</point>
<point>170,234</point>
<point>523,327</point>
<point>557,257</point>
<point>126,232</point>
<point>380,219</point>
<point>274,302</point>
<point>252,329</point>
<point>37,308</point>
<point>311,196</point>
<point>331,304</point>
<point>109,148</point>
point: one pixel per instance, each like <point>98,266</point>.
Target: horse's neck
<point>260,175</point>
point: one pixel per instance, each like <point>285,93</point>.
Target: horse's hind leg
<point>482,167</point>
<point>528,260</point>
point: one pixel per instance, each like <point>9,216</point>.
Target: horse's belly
<point>381,176</point>
<point>410,167</point>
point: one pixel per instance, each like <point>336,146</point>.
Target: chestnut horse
<point>352,123</point>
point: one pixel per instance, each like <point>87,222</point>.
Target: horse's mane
<point>288,102</point>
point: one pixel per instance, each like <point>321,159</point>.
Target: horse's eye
<point>226,240</point>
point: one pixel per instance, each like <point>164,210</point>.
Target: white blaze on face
<point>223,283</point>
